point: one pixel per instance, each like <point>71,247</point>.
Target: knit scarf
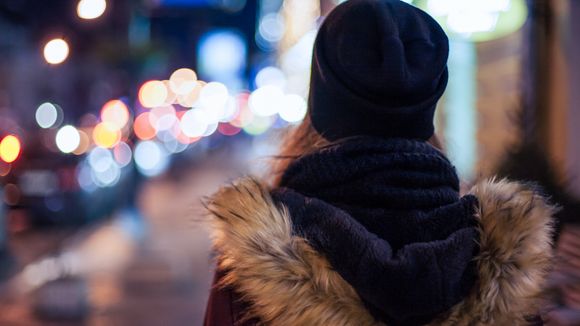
<point>388,216</point>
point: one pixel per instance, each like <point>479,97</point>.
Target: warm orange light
<point>153,93</point>
<point>143,128</point>
<point>106,135</point>
<point>116,113</point>
<point>10,149</point>
<point>84,143</point>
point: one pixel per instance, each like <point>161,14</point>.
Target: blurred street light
<point>56,51</point>
<point>9,149</point>
<point>91,9</point>
<point>46,115</point>
<point>67,139</point>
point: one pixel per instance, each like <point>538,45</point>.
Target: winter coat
<point>269,275</point>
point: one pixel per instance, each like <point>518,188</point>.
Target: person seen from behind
<point>363,222</point>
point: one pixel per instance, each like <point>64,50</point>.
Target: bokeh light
<point>143,128</point>
<point>91,9</point>
<point>46,115</point>
<point>56,51</point>
<point>293,108</point>
<point>10,149</point>
<point>183,81</point>
<point>213,95</point>
<point>12,194</point>
<point>478,20</point>
<point>194,123</point>
<point>244,115</point>
<point>4,168</point>
<point>100,159</point>
<point>107,178</point>
<point>105,172</point>
<point>84,143</point>
<point>84,178</point>
<point>259,125</point>
<point>116,113</point>
<point>271,76</point>
<point>227,129</point>
<point>106,135</point>
<point>230,110</point>
<point>151,158</point>
<point>171,97</point>
<point>210,129</point>
<point>222,54</point>
<point>271,27</point>
<point>189,99</point>
<point>266,100</point>
<point>122,154</point>
<point>153,93</point>
<point>67,139</point>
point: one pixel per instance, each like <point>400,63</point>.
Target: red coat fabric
<point>225,307</point>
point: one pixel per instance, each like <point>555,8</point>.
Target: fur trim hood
<point>271,267</point>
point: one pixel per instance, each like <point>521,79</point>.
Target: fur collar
<point>271,267</point>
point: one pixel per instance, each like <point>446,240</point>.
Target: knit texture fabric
<point>388,216</point>
<point>378,68</point>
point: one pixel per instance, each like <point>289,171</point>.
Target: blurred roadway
<point>145,266</point>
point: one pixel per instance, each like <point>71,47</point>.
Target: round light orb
<point>183,81</point>
<point>272,27</point>
<point>194,123</point>
<point>56,51</point>
<point>123,154</point>
<point>100,159</point>
<point>143,128</point>
<point>116,113</point>
<point>265,100</point>
<point>106,135</point>
<point>271,76</point>
<point>153,93</point>
<point>151,159</point>
<point>476,20</point>
<point>10,149</point>
<point>84,143</point>
<point>108,177</point>
<point>259,125</point>
<point>293,108</point>
<point>213,94</point>
<point>91,9</point>
<point>46,115</point>
<point>67,139</point>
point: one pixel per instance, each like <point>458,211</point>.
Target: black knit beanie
<point>379,67</point>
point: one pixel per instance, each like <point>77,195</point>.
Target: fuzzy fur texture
<point>288,283</point>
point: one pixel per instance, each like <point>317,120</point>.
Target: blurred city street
<point>117,119</point>
<point>146,267</point>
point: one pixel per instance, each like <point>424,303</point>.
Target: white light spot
<point>56,51</point>
<point>194,123</point>
<point>293,108</point>
<point>151,158</point>
<point>91,9</point>
<point>46,115</point>
<point>265,101</point>
<point>67,139</point>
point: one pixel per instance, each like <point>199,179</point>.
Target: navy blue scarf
<point>388,216</point>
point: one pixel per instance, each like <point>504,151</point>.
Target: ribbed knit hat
<point>379,67</point>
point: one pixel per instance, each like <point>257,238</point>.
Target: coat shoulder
<point>516,229</point>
